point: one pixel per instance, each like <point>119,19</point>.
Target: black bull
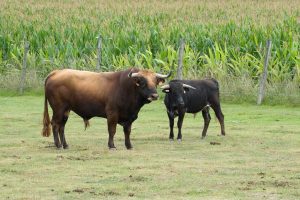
<point>192,96</point>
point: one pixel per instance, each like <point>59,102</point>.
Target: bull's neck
<point>133,99</point>
<point>137,100</point>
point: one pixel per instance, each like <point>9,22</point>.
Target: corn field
<point>222,38</point>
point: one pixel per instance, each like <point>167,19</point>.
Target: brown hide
<point>111,95</point>
<point>86,93</point>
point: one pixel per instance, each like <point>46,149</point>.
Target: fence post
<point>263,79</point>
<point>180,58</point>
<point>23,75</point>
<point>99,52</point>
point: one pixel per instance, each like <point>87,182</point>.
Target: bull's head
<point>176,94</point>
<point>146,82</point>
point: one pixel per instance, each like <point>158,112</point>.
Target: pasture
<point>258,158</point>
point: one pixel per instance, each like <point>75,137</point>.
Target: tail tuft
<point>46,120</point>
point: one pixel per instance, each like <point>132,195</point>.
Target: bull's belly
<point>195,109</point>
<point>127,120</point>
<point>88,111</point>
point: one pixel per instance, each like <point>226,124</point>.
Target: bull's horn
<point>131,74</point>
<point>165,87</point>
<point>188,86</point>
<point>163,76</point>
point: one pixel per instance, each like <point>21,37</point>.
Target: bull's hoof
<point>65,146</point>
<point>203,137</point>
<point>58,146</point>
<point>129,148</point>
<point>171,139</point>
<point>112,148</point>
<point>179,140</point>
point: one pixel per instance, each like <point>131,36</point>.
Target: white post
<point>99,45</point>
<point>23,75</point>
<point>180,58</point>
<point>263,79</point>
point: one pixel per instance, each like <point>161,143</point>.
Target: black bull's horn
<point>188,86</point>
<point>166,87</point>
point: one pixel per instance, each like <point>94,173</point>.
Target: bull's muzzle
<point>153,97</point>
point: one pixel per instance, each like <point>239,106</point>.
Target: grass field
<point>257,159</point>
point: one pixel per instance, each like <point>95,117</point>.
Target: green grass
<point>258,158</point>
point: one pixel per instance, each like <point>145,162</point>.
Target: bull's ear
<point>137,81</point>
<point>136,77</point>
<point>140,82</point>
<point>186,89</point>
<point>160,81</point>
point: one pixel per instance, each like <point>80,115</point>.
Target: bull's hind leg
<point>217,108</point>
<point>55,129</point>
<point>58,122</point>
<point>62,130</point>
<point>206,117</point>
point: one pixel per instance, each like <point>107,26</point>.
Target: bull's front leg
<point>127,131</point>
<point>179,125</point>
<point>112,125</point>
<point>171,124</point>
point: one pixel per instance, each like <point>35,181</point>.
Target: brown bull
<point>116,96</point>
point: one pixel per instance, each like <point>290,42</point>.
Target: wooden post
<point>180,58</point>
<point>99,52</point>
<point>263,79</point>
<point>23,75</point>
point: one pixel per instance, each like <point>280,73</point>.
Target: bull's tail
<point>46,120</point>
<point>217,84</point>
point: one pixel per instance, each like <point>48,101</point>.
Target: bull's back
<point>199,98</point>
<point>81,91</point>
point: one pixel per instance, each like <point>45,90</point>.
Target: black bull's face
<point>146,82</point>
<point>176,94</point>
